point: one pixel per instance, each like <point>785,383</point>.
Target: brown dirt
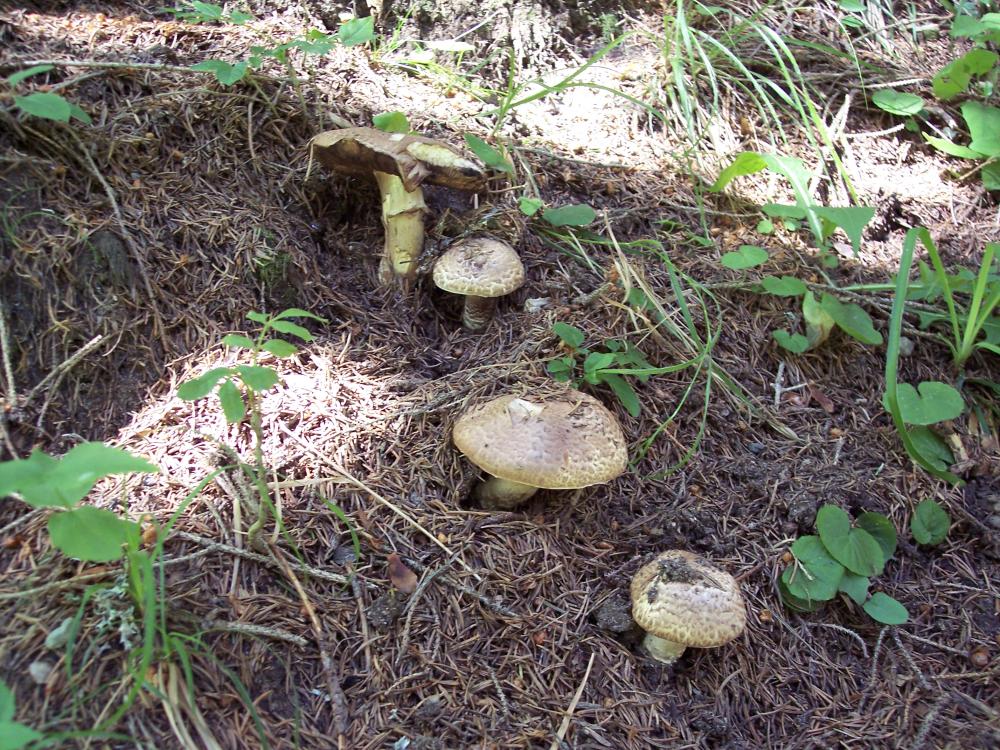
<point>216,216</point>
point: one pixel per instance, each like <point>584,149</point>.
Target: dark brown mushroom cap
<point>683,598</point>
<point>416,160</point>
<point>560,442</point>
<point>479,266</point>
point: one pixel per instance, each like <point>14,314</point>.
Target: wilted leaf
<point>404,579</point>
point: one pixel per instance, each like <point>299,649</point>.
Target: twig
<point>928,723</point>
<point>491,605</point>
<point>10,391</point>
<point>564,727</point>
<point>103,64</point>
<point>411,604</point>
<point>929,642</point>
<point>908,657</point>
<point>248,629</point>
<point>65,366</point>
<point>75,581</point>
<point>505,707</point>
<point>845,631</point>
<point>779,381</point>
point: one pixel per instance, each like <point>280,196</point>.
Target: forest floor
<point>187,204</point>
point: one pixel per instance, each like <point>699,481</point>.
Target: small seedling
<point>930,523</point>
<point>44,104</point>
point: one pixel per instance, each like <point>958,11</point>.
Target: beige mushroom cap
<point>480,266</point>
<point>563,442</point>
<point>682,598</point>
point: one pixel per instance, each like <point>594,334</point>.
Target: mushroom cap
<point>558,443</point>
<point>683,598</point>
<point>479,266</point>
<point>413,158</point>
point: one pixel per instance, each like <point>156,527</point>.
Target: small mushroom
<point>482,269</point>
<point>561,442</point>
<point>681,600</point>
<point>400,163</point>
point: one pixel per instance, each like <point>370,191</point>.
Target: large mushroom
<point>681,600</point>
<point>482,269</point>
<point>400,163</point>
<point>560,442</point>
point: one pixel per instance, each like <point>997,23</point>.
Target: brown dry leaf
<point>539,637</point>
<point>404,579</point>
<point>824,401</point>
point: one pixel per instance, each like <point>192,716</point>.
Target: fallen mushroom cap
<point>481,266</point>
<point>562,442</point>
<point>682,598</point>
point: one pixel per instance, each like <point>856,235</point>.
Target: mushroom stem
<point>478,311</point>
<point>503,494</point>
<point>403,219</point>
<point>662,650</point>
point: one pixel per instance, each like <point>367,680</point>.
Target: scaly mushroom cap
<point>416,160</point>
<point>562,442</point>
<point>480,266</point>
<point>682,598</point>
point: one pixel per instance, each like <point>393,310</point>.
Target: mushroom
<point>482,269</point>
<point>560,442</point>
<point>682,600</point>
<point>400,163</point>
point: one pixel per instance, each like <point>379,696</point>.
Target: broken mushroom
<point>401,164</point>
<point>482,269</point>
<point>558,442</point>
<point>682,600</point>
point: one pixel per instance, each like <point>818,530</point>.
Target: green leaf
<point>783,211</point>
<point>257,317</point>
<point>883,608</point>
<point>929,403</point>
<point>202,385</point>
<point>16,78</point>
<point>292,329</point>
<point>14,736</point>
<point>232,402</point>
<point>7,704</point>
<point>570,335</point>
<point>625,393</point>
<point>897,102</point>
<point>931,447</point>
<point>297,312</point>
<point>954,78</point>
<point>854,586</point>
<point>238,341</point>
<point>78,114</point>
<point>490,156</point>
<point>818,575</point>
<point>765,226</point>
<point>357,31</point>
<point>239,17</point>
<point>984,127</point>
<point>279,348</point>
<point>576,215</point>
<point>747,256</point>
<point>852,219</point>
<point>881,530</point>
<point>855,549</point>
<point>819,323</point>
<point>561,369</point>
<point>852,6</point>
<point>796,343</point>
<point>785,286</point>
<point>746,163</point>
<point>91,534</point>
<point>597,361</point>
<point>930,523</point>
<point>529,206</point>
<point>952,149</point>
<point>852,319</point>
<point>225,73</point>
<point>48,106</point>
<point>795,603</point>
<point>991,176</point>
<point>257,378</point>
<point>391,122</point>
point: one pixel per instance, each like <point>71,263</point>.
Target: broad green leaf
<point>855,549</point>
<point>991,176</point>
<point>257,378</point>
<point>238,341</point>
<point>854,586</point>
<point>490,156</point>
<point>765,226</point>
<point>91,534</point>
<point>852,6</point>
<point>852,219</point>
<point>202,385</point>
<point>46,105</point>
<point>16,78</point>
<point>529,206</point>
<point>391,122</point>
<point>747,256</point>
<point>930,523</point>
<point>852,319</point>
<point>357,31</point>
<point>954,78</point>
<point>746,163</point>
<point>984,127</point>
<point>78,114</point>
<point>818,575</point>
<point>952,149</point>
<point>793,342</point>
<point>225,73</point>
<point>576,215</point>
<point>929,403</point>
<point>7,704</point>
<point>881,530</point>
<point>598,361</point>
<point>298,312</point>
<point>279,348</point>
<point>819,323</point>
<point>931,447</point>
<point>232,402</point>
<point>785,286</point>
<point>561,369</point>
<point>795,603</point>
<point>14,736</point>
<point>292,329</point>
<point>783,211</point>
<point>239,17</point>
<point>897,102</point>
<point>570,335</point>
<point>883,608</point>
<point>257,317</point>
<point>625,393</point>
